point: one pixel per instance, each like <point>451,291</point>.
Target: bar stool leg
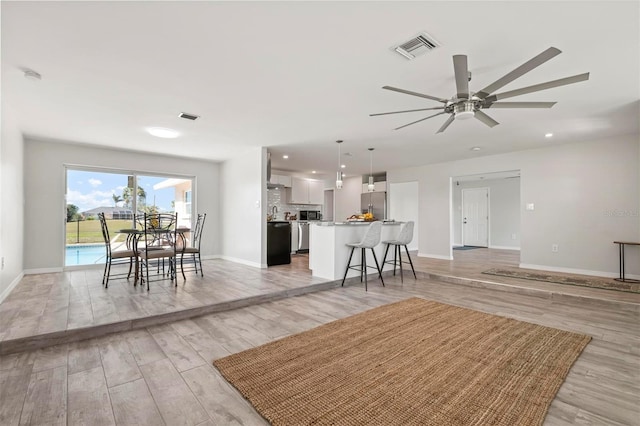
<point>395,258</point>
<point>378,266</point>
<point>400,265</point>
<point>384,259</point>
<point>363,268</point>
<point>347,269</point>
<point>410,262</point>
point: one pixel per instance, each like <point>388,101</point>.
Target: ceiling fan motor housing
<point>464,110</point>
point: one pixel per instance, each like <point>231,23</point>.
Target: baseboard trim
<point>435,256</point>
<point>603,274</point>
<point>505,247</point>
<point>242,261</point>
<point>13,285</point>
<point>43,271</point>
<point>211,257</point>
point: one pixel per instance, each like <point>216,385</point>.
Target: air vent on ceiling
<point>418,45</point>
<point>189,116</point>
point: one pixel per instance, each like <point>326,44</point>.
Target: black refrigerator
<point>375,203</point>
<point>278,243</point>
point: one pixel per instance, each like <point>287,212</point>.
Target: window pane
<point>90,193</point>
<point>158,194</point>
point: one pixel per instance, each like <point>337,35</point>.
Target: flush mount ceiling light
<point>163,132</point>
<point>548,135</point>
<point>285,156</point>
<point>339,173</point>
<point>32,75</point>
<point>313,171</point>
<point>476,148</point>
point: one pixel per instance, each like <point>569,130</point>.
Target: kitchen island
<point>328,252</point>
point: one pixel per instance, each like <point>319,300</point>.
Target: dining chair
<point>114,257</point>
<point>193,248</point>
<point>369,241</point>
<point>159,242</point>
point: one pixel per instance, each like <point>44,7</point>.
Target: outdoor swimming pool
<point>88,254</point>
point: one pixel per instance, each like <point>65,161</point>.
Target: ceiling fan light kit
<point>466,104</point>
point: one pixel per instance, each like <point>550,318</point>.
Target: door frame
<point>488,213</point>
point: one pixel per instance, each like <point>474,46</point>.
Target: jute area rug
<point>559,278</point>
<point>413,362</point>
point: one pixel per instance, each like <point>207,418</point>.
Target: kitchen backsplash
<point>278,198</point>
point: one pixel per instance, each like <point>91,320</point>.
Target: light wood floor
<point>163,374</point>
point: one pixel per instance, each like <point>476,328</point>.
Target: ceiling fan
<point>466,104</point>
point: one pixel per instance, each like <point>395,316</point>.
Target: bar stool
<point>403,239</point>
<point>369,241</point>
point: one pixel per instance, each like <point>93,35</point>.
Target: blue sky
<point>89,190</point>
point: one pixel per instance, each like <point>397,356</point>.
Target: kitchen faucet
<point>274,210</point>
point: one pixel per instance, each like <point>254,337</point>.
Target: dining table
<point>133,238</point>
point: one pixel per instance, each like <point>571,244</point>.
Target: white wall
<point>11,203</point>
<point>44,190</point>
<point>403,206</point>
<point>586,195</point>
<point>347,199</point>
<point>504,211</point>
<point>244,208</point>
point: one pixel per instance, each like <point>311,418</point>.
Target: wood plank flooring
<point>164,375</point>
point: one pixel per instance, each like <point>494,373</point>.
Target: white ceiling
<point>296,76</point>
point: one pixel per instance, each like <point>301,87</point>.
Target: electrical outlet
<point>513,236</point>
<point>2,267</point>
<point>554,248</point>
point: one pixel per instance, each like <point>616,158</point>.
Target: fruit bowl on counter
<point>367,217</point>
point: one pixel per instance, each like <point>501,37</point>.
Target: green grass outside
<point>90,232</point>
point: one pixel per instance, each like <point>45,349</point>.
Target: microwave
<point>310,215</point>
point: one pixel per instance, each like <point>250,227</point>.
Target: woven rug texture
<point>559,278</point>
<point>414,362</point>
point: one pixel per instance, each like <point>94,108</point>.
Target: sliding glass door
<point>119,195</point>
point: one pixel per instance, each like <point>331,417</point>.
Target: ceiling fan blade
<point>485,119</point>
<point>446,123</point>
<point>417,121</point>
<point>409,110</point>
<point>519,105</point>
<point>519,72</point>
<point>539,87</point>
<point>421,95</point>
<point>461,71</point>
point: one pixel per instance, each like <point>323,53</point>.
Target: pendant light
<point>371,186</point>
<point>339,172</point>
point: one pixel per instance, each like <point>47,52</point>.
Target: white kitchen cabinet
<point>316,192</point>
<point>305,191</point>
<point>281,180</point>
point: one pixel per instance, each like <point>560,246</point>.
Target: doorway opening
<point>485,211</point>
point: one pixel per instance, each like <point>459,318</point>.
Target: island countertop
<point>328,252</point>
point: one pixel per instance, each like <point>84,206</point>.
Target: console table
<point>621,245</point>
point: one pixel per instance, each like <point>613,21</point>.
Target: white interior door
<point>403,206</point>
<point>475,217</point>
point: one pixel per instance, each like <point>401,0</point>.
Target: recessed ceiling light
<point>285,156</point>
<point>343,166</point>
<point>548,135</point>
<point>313,171</point>
<point>163,132</point>
<point>476,148</point>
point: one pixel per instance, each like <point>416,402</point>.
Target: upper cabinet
<point>282,180</point>
<point>304,191</point>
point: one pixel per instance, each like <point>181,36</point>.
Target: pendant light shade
<point>339,173</point>
<point>371,186</point>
